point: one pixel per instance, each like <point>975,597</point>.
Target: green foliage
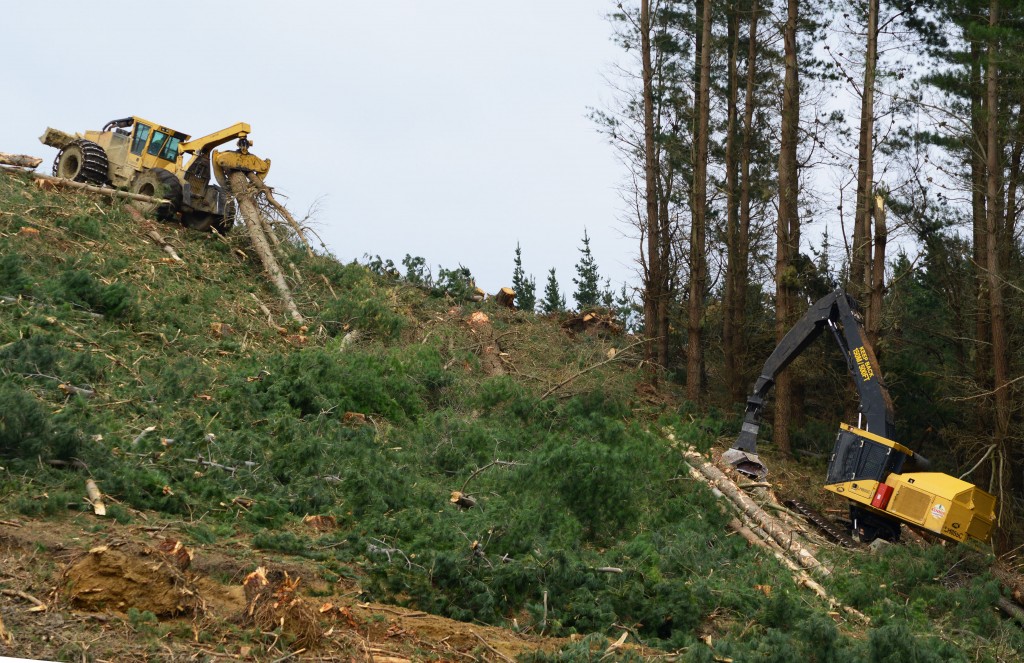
<point>565,485</point>
<point>455,283</point>
<point>524,286</point>
<point>80,287</point>
<point>587,280</point>
<point>553,301</point>
<point>361,302</point>
<point>13,279</point>
<point>24,423</point>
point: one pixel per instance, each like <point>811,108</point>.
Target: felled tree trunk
<point>781,534</point>
<point>19,160</point>
<point>269,193</point>
<point>251,216</point>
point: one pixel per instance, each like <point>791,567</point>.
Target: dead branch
<point>26,596</point>
<point>269,193</point>
<point>493,463</point>
<point>492,649</point>
<point>162,243</point>
<point>586,370</point>
<point>207,463</point>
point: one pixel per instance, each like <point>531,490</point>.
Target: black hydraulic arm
<point>840,314</point>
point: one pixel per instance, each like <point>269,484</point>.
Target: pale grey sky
<point>447,129</point>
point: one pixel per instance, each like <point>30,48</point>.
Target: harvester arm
<point>239,131</point>
<point>839,313</point>
<point>204,154</point>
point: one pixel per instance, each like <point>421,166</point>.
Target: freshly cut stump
<point>272,602</point>
<point>119,577</point>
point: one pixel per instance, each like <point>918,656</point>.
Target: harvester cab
<point>884,481</point>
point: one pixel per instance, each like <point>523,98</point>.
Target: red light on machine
<point>882,495</point>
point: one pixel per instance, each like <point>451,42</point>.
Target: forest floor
<point>52,610</point>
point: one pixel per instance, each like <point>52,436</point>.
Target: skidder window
<point>141,135</point>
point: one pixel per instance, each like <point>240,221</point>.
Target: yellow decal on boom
<point>860,355</point>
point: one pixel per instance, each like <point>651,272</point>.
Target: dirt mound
<point>129,575</point>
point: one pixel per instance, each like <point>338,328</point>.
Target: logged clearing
<point>95,601</point>
<point>236,447</point>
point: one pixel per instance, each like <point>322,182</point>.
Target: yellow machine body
<point>148,158</point>
<point>944,505</point>
<point>150,145</point>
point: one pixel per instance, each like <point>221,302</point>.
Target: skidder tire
<point>82,161</point>
<point>158,183</point>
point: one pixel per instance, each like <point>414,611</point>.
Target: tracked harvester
<point>150,159</point>
<point>882,479</point>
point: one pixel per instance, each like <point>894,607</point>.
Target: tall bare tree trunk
<point>860,261</point>
<point>739,310</point>
<point>877,286</point>
<point>993,193</point>
<point>732,285</point>
<point>789,224</point>
<point>653,278</point>
<point>863,274</point>
<point>698,229</point>
<point>979,177</point>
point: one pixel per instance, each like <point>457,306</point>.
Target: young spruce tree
<point>524,286</point>
<point>553,302</point>
<point>588,291</point>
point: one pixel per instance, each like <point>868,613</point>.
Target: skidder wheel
<point>158,183</point>
<point>82,161</point>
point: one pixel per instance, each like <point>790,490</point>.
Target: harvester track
<point>822,523</point>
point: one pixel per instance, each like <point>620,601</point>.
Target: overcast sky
<point>448,129</point>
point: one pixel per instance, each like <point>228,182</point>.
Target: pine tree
<point>608,295</point>
<point>524,286</point>
<point>588,291</point>
<point>553,302</point>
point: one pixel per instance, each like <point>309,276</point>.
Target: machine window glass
<point>157,144</point>
<point>139,141</point>
<point>170,151</point>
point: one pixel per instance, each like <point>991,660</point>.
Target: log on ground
<point>19,160</point>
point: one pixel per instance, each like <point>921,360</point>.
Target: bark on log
<point>1011,609</point>
<point>784,536</point>
<point>251,216</point>
<point>58,183</point>
<point>19,160</point>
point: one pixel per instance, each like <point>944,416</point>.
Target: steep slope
<point>205,422</point>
